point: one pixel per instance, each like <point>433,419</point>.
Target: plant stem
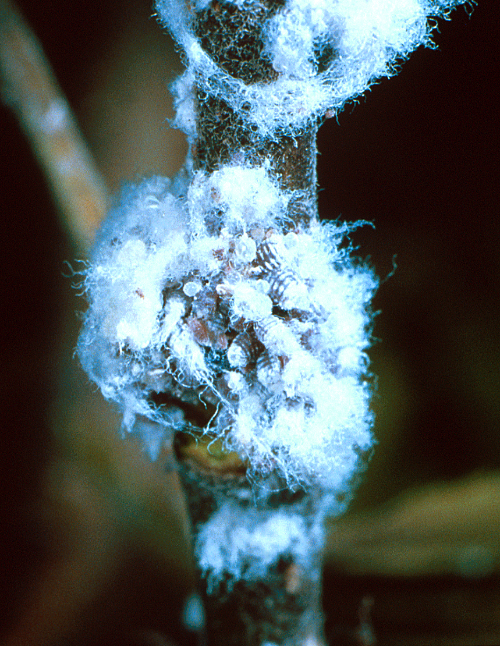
<point>232,36</point>
<point>283,604</point>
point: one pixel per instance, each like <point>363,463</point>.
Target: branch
<point>30,89</point>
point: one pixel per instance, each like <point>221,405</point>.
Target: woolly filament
<point>223,310</point>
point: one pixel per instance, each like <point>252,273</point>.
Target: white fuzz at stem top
<point>326,52</point>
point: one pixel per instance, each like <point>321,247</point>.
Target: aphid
<point>268,257</point>
<point>269,371</point>
<point>268,328</point>
<point>287,290</point>
<point>277,337</point>
<point>244,350</point>
<point>205,303</point>
<point>209,332</point>
<point>200,330</point>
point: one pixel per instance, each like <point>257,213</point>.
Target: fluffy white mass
<point>198,295</point>
<point>243,544</point>
<point>326,52</point>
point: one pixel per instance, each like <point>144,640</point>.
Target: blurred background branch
<point>30,89</point>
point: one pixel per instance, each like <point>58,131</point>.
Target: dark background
<point>418,156</point>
